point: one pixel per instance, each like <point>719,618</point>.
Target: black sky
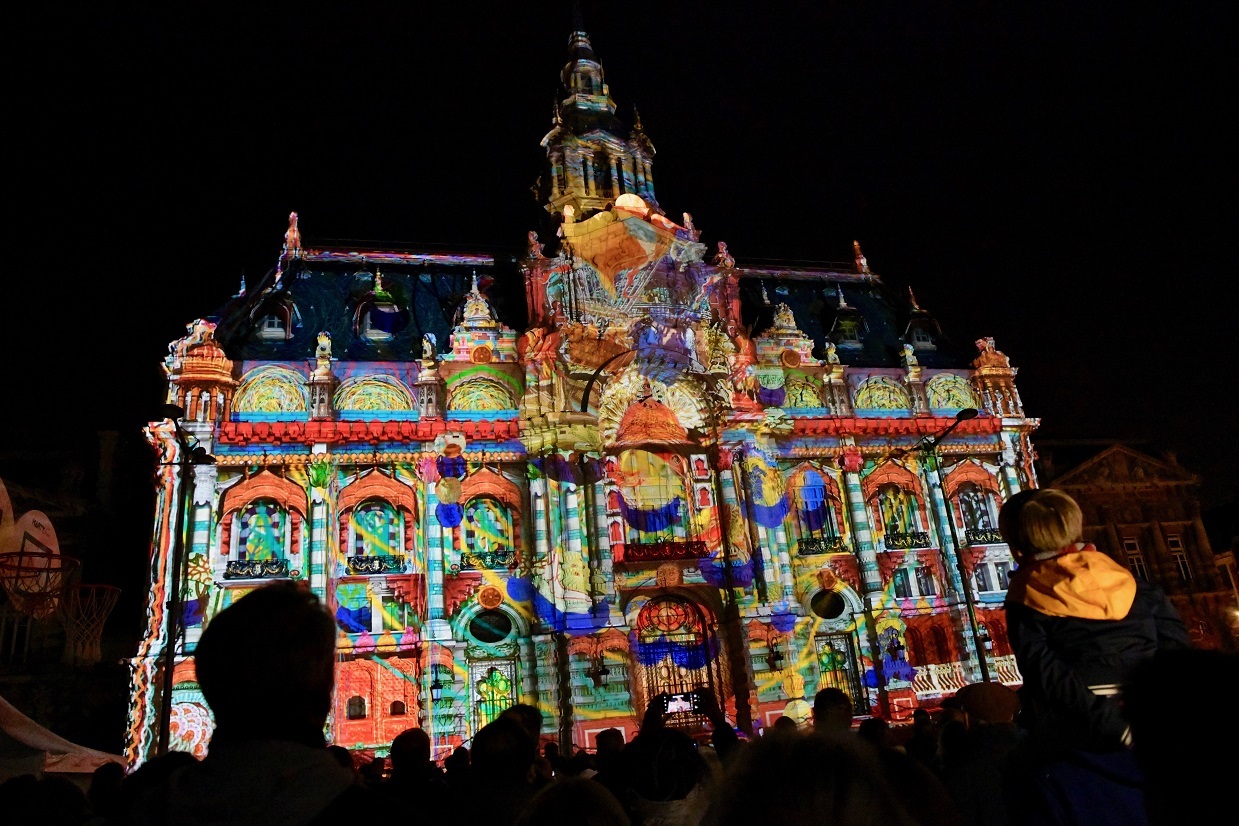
<point>1057,176</point>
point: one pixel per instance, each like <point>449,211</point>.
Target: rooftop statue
<point>534,248</point>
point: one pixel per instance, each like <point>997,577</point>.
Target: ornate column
<point>862,535</point>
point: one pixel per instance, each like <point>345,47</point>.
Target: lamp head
<point>966,414</point>
<point>173,411</point>
<point>199,456</point>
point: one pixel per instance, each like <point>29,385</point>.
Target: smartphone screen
<point>679,702</point>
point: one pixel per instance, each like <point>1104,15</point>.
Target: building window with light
<point>488,534</point>
<point>1185,568</point>
<point>976,507</point>
<point>376,529</point>
<point>814,513</point>
<point>263,525</point>
<point>913,582</point>
<point>897,510</point>
<point>1003,570</point>
<point>1135,558</point>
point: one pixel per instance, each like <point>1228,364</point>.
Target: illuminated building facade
<point>684,473</point>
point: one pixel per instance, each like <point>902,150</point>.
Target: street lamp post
<point>928,447</point>
<point>187,458</point>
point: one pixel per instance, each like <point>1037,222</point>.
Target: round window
<point>490,627</point>
<point>828,605</point>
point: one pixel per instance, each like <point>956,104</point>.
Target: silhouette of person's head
<point>105,789</point>
<point>609,742</point>
<point>785,724</point>
<point>276,642</point>
<point>502,752</point>
<point>342,755</point>
<point>832,711</point>
<point>574,800</point>
<point>877,731</point>
<point>456,766</point>
<point>528,716</point>
<point>410,752</point>
<point>812,778</point>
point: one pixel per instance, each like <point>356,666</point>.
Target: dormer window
<point>847,333</point>
<point>378,323</point>
<point>272,328</point>
<point>277,319</point>
<point>922,340</point>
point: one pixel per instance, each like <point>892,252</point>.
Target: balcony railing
<point>256,569</point>
<point>496,558</point>
<point>821,545</point>
<point>939,678</point>
<point>914,539</point>
<point>376,564</point>
<point>664,551</point>
<point>982,536</point>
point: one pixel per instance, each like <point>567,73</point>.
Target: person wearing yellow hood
<point>1078,623</point>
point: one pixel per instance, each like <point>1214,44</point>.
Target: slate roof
<point>812,295</point>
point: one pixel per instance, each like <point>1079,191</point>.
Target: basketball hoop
<point>35,579</point>
<point>84,610</point>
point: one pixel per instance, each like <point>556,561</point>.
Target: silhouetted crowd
<point>1111,726</point>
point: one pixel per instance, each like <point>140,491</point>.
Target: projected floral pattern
<point>271,390</point>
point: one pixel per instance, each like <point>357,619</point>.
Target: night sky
<point>1057,177</point>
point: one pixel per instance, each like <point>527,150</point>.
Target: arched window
<point>916,647</point>
<point>356,707</point>
<point>814,513</point>
<point>262,531</point>
<point>896,510</point>
<point>976,508</point>
<point>376,529</point>
<point>398,709</point>
<point>488,534</point>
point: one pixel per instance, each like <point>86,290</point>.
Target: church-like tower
<point>593,158</point>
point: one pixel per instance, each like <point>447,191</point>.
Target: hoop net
<point>34,580</point>
<point>85,608</point>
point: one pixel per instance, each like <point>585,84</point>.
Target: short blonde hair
<point>1040,521</point>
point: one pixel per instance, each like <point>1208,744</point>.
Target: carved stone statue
<point>429,342</point>
<point>534,248</point>
<point>723,257</point>
<point>324,345</point>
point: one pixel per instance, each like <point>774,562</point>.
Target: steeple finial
<point>843,302</point>
<point>636,119</point>
<point>912,297</point>
<point>862,264</point>
<point>292,238</point>
<point>241,291</point>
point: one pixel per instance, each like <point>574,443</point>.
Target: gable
<point>1121,466</point>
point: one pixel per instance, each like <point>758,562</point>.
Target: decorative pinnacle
<point>912,296</point>
<point>843,302</point>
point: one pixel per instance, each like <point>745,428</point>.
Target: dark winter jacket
<point>1078,623</point>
